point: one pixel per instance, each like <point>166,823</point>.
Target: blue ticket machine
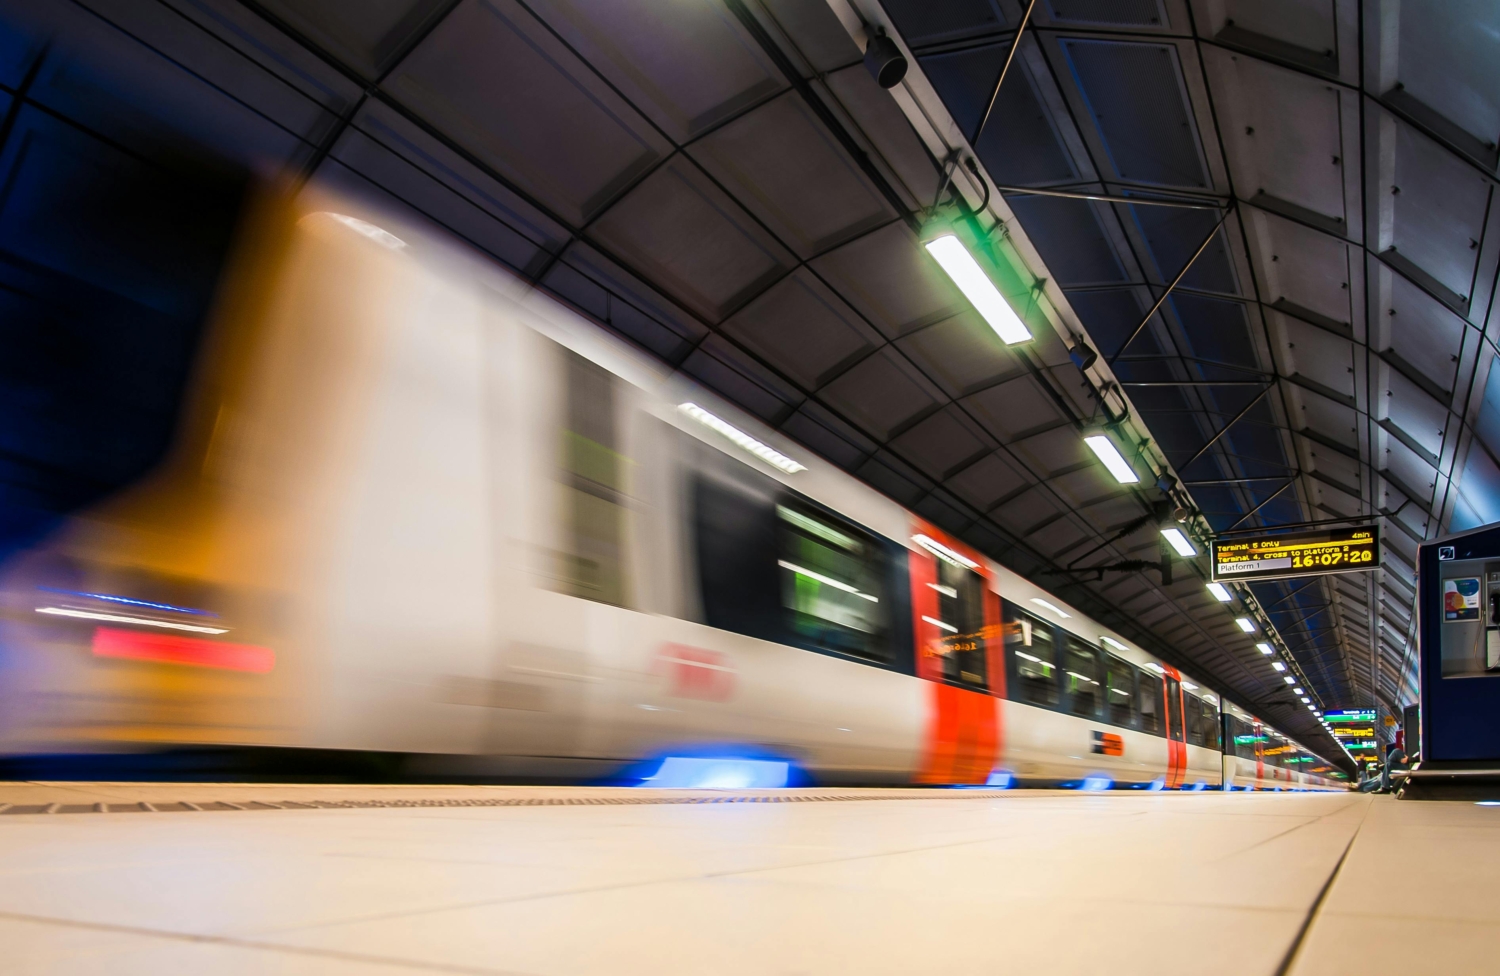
<point>1458,642</point>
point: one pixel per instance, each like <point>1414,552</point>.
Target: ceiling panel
<point>563,136</point>
<point>881,393</point>
<point>800,326</point>
<point>959,354</point>
<point>1437,208</point>
<point>1134,93</point>
<point>791,173</point>
<point>942,443</point>
<point>890,281</point>
<point>987,481</point>
<point>368,35</point>
<point>690,237</point>
<point>688,66</point>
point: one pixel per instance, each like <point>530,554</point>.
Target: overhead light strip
<point>741,439</point>
<point>1179,541</point>
<point>955,259</point>
<point>943,552</point>
<point>1110,456</point>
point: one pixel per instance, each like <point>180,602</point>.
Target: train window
<point>593,479</point>
<point>832,583</point>
<point>960,594</point>
<point>1029,644</point>
<point>1151,702</point>
<point>1197,732</point>
<point>1174,710</point>
<point>735,531</point>
<point>1243,738</point>
<point>1211,731</point>
<point>1119,691</point>
<point>1081,678</point>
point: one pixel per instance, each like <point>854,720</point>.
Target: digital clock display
<point>1303,554</point>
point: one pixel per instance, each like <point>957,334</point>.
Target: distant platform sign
<point>1354,728</point>
<point>1303,554</point>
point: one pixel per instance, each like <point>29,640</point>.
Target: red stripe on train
<point>188,651</point>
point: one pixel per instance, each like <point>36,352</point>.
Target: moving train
<point>418,507</point>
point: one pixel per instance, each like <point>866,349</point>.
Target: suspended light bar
<point>1246,624</point>
<point>1112,458</point>
<point>741,439</point>
<point>1265,648</point>
<point>1220,592</point>
<point>1179,542</point>
<point>977,287</point>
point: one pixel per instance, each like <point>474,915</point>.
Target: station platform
<point>137,878</point>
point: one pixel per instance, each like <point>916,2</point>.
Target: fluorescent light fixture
<point>1105,448</point>
<point>1156,667</point>
<point>1114,643</point>
<point>1278,665</point>
<point>1297,691</point>
<point>741,439</point>
<point>1049,606</point>
<point>826,580</point>
<point>1289,679</point>
<point>1179,542</point>
<point>119,618</point>
<point>946,591</point>
<point>1265,648</point>
<point>977,287</point>
<point>944,553</point>
<point>1319,714</point>
<point>1220,592</point>
<point>379,235</point>
<point>1189,685</point>
<point>941,624</point>
<point>1306,700</point>
<point>1246,624</point>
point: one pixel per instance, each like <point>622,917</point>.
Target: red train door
<point>963,726</point>
<point>1260,753</point>
<point>1176,731</point>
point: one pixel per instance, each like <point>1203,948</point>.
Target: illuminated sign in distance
<point>1302,554</point>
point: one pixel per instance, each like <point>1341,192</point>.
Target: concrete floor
<point>520,880</point>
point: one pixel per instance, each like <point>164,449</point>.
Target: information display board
<point>1355,729</point>
<point>1302,554</point>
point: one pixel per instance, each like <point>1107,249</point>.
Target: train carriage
<point>419,508</point>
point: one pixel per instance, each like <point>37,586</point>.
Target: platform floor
<point>517,880</point>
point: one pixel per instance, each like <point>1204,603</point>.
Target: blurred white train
<point>418,507</point>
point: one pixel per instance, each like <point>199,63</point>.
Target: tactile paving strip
<point>559,801</point>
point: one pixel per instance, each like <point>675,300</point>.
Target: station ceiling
<point>723,183</point>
